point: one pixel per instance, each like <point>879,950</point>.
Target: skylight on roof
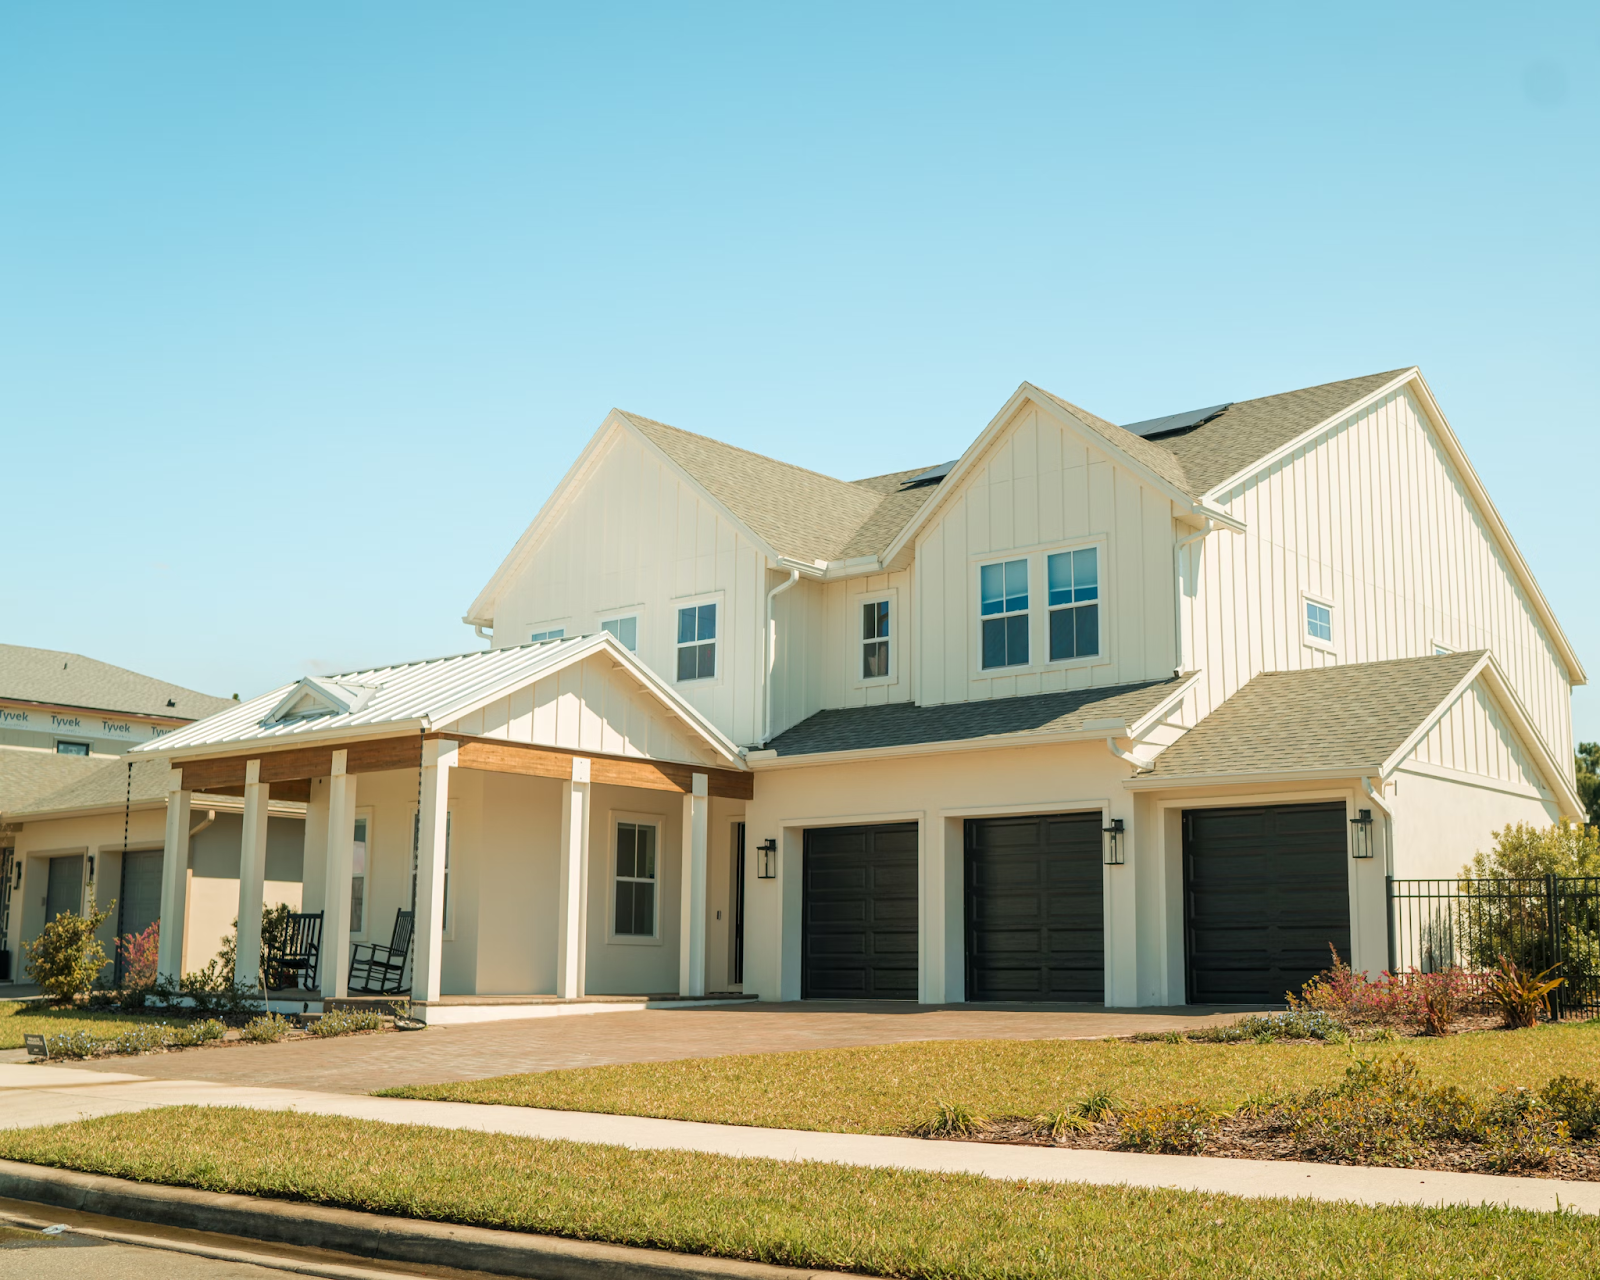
<point>931,476</point>
<point>1175,421</point>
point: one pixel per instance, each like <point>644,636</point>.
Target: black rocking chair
<point>289,960</point>
<point>380,970</point>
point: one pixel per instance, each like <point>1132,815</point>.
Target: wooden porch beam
<point>301,764</point>
<point>496,755</point>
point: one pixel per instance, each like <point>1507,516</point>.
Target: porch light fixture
<point>767,863</point>
<point>1361,834</point>
<point>91,868</point>
<point>19,874</point>
<point>1113,842</point>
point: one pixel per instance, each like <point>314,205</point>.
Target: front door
<point>859,912</point>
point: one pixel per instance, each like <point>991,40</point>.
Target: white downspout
<point>772,653</point>
<point>211,816</point>
<point>477,630</point>
<point>1177,598</point>
<point>1139,765</point>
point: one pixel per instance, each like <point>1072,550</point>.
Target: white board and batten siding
<point>588,706</point>
<point>1473,739</point>
<point>1371,517</point>
<point>633,537</point>
<point>1040,488</point>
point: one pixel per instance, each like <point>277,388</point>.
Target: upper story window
<point>72,748</point>
<point>875,640</point>
<point>1318,622</point>
<point>626,631</point>
<point>1073,582</point>
<point>557,633</point>
<point>697,642</point>
<point>1003,609</point>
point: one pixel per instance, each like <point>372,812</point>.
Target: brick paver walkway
<point>359,1064</point>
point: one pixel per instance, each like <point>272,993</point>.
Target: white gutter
<point>1377,797</point>
<point>1177,597</point>
<point>211,816</point>
<point>772,653</point>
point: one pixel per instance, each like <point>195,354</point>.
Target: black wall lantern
<point>91,868</point>
<point>1361,834</point>
<point>1113,842</point>
<point>767,863</point>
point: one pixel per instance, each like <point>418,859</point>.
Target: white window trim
<point>686,602</point>
<point>1314,642</point>
<point>1039,608</point>
<point>360,935</point>
<point>655,820</point>
<point>896,648</point>
<point>1438,647</point>
<point>529,629</point>
<point>637,612</point>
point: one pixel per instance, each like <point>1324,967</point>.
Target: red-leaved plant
<point>138,952</point>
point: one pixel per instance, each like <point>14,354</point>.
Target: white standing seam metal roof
<point>426,695</point>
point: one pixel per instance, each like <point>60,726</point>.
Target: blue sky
<point>304,309</point>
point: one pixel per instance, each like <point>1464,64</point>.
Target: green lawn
<point>15,1019</point>
<point>884,1222</point>
<point>887,1088</point>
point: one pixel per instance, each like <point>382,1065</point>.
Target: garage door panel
<point>859,913</point>
<point>1033,903</point>
<point>1265,893</point>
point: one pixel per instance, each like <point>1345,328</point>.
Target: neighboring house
<point>69,806</point>
<point>1089,713</point>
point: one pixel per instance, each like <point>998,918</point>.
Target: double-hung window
<point>626,631</point>
<point>697,642</point>
<point>1003,611</point>
<point>636,881</point>
<point>1073,583</point>
<point>875,640</point>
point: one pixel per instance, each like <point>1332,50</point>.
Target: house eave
<point>761,761</point>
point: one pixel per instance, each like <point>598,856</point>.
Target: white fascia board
<point>1432,718</point>
<point>1175,782</point>
<point>571,652</point>
<point>760,761</point>
<point>1469,477</point>
<point>1158,713</point>
<point>483,607</point>
<point>205,800</point>
<point>177,757</point>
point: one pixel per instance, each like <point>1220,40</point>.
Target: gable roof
<point>1358,719</point>
<point>27,776</point>
<point>104,786</point>
<point>1096,713</point>
<point>426,695</point>
<point>63,679</point>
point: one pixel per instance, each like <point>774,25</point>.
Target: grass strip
<point>879,1221</point>
<point>889,1088</point>
<point>17,1019</point>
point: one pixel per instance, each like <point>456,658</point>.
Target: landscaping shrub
<point>141,1039</point>
<point>1382,1113</point>
<point>951,1120</point>
<point>1576,1103</point>
<point>139,952</point>
<point>1295,1024</point>
<point>1435,999</point>
<point>1098,1104</point>
<point>1056,1125</point>
<point>340,1022</point>
<point>1176,1128</point>
<point>267,1029</point>
<point>1521,995</point>
<point>66,957</point>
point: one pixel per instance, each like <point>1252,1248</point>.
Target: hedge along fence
<point>1469,923</point>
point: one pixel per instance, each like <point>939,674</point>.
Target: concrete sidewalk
<point>36,1095</point>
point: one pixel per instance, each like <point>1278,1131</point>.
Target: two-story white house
<point>1138,714</point>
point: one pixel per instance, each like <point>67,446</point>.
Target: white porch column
<point>573,899</point>
<point>252,874</point>
<point>692,900</point>
<point>174,880</point>
<point>334,965</point>
<point>438,758</point>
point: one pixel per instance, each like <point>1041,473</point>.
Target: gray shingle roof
<point>104,786</point>
<point>1324,718</point>
<point>800,513</point>
<point>27,776</point>
<point>903,724</point>
<point>72,680</point>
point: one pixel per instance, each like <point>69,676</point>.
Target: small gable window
<point>1003,611</point>
<point>697,642</point>
<point>875,640</point>
<point>555,633</point>
<point>1073,582</point>
<point>1318,623</point>
<point>626,631</point>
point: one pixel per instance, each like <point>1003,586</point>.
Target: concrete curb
<point>372,1236</point>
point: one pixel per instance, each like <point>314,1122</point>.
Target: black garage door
<point>1265,893</point>
<point>859,940</point>
<point>1034,924</point>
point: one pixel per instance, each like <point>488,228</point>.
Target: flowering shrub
<point>1176,1128</point>
<point>138,952</point>
<point>267,1029</point>
<point>142,1039</point>
<point>340,1022</point>
<point>1429,1002</point>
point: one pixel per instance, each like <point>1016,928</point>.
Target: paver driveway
<point>359,1064</point>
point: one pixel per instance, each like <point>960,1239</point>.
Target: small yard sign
<point>35,1045</point>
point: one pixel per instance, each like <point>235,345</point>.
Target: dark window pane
<point>625,845</point>
<point>992,589</point>
<point>1063,642</point>
<point>1017,640</point>
<point>875,659</point>
<point>685,625</point>
<point>644,903</point>
<point>707,660</point>
<point>624,920</point>
<point>645,860</point>
<point>708,622</point>
<point>1088,616</point>
<point>994,642</point>
<point>688,662</point>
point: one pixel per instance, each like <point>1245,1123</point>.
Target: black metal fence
<point>1540,922</point>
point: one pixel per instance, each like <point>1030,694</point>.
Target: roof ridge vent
<point>313,696</point>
